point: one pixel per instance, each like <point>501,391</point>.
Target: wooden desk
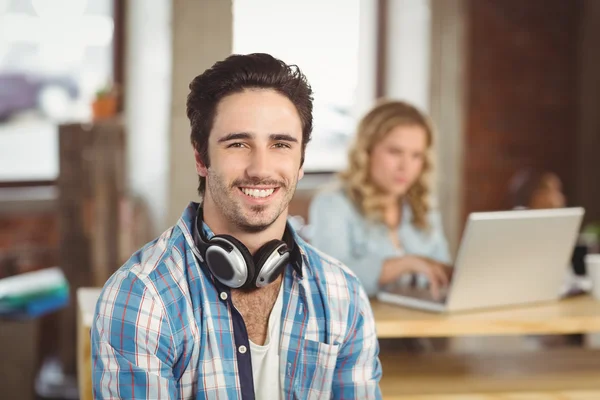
<point>570,395</point>
<point>575,315</point>
<point>571,374</point>
<point>86,305</point>
<point>530,375</point>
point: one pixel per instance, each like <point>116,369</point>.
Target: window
<point>54,56</point>
<point>324,39</point>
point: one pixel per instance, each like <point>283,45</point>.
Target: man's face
<point>254,149</point>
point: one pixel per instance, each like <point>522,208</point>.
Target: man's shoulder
<point>329,270</point>
<point>155,269</point>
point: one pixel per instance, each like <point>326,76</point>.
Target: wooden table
<point>570,374</point>
<point>86,305</point>
<point>575,315</point>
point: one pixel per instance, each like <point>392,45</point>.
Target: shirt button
<point>223,296</point>
<point>242,349</point>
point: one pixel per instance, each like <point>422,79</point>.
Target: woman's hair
<point>373,128</point>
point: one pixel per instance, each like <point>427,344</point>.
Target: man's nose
<point>258,166</point>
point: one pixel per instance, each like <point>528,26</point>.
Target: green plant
<point>593,228</point>
<point>106,91</point>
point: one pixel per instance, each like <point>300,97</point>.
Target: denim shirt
<point>340,230</point>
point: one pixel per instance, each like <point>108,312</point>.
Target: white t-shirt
<point>265,359</point>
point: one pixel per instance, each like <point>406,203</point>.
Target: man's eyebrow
<point>235,136</point>
<point>283,137</point>
<point>275,137</point>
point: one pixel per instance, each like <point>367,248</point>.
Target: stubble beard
<point>259,217</point>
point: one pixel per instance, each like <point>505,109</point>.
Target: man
<point>230,302</point>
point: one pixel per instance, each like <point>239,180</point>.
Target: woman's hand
<point>437,273</point>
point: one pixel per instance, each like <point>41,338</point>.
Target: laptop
<point>505,258</point>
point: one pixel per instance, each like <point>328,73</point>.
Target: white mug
<point>592,266</point>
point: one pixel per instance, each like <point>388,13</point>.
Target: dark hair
<point>525,183</point>
<point>234,75</point>
<point>522,185</point>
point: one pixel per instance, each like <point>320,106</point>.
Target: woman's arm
<point>441,252</point>
<point>437,274</point>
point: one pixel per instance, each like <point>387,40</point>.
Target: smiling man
<point>230,303</point>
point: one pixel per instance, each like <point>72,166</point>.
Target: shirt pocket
<point>319,360</point>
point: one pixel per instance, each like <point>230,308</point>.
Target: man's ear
<point>201,168</point>
<point>301,173</point>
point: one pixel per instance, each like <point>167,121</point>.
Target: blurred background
<point>95,157</point>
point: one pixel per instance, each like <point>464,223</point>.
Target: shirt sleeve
<point>331,218</point>
<point>132,343</point>
<point>358,368</point>
<point>440,253</point>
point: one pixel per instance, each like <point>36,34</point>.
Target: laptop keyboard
<point>418,293</point>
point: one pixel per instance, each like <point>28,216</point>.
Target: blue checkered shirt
<point>164,329</point>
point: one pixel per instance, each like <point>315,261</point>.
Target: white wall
<point>448,102</point>
<point>408,51</point>
<point>202,35</point>
<point>367,59</point>
<point>148,103</point>
<point>169,42</point>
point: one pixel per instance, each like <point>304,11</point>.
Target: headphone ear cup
<point>266,274</point>
<point>264,252</point>
<point>235,249</point>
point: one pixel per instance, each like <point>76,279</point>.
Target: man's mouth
<point>257,193</point>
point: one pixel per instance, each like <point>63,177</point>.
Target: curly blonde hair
<point>373,128</point>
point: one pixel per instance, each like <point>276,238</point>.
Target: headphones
<point>230,261</point>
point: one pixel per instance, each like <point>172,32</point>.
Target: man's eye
<point>282,145</point>
<point>236,145</point>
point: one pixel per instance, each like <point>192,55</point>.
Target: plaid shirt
<point>165,329</point>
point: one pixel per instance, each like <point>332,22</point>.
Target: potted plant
<point>105,103</point>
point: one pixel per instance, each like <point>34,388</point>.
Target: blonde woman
<point>379,221</point>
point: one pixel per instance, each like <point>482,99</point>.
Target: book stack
<point>33,294</point>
